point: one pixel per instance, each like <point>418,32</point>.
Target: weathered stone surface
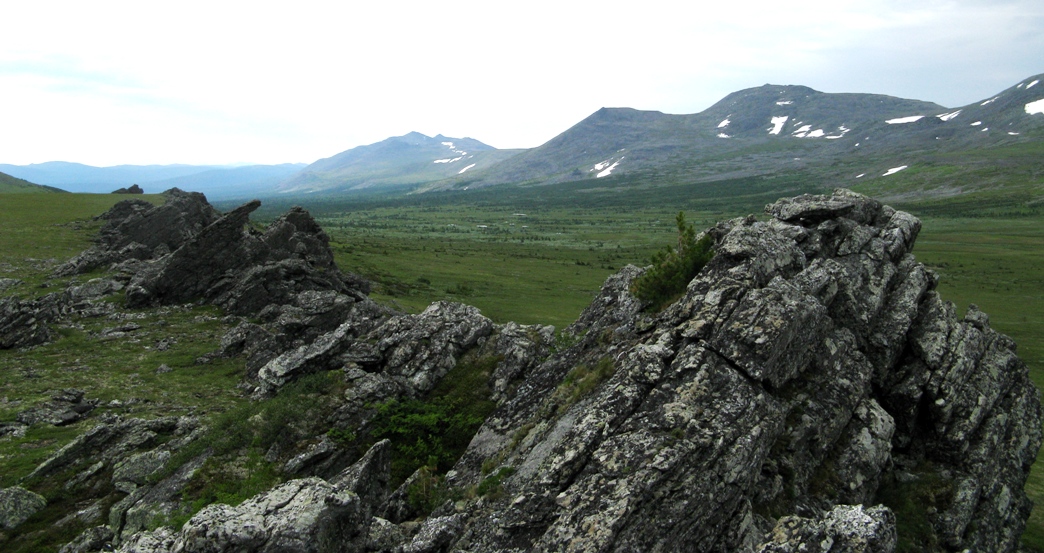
<point>153,230</point>
<point>65,407</point>
<point>109,441</point>
<point>231,266</point>
<point>848,528</point>
<point>24,323</point>
<point>91,540</point>
<point>303,515</point>
<point>806,355</point>
<point>17,505</point>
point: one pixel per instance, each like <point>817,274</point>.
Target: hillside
<point>14,185</point>
<point>250,181</point>
<point>773,129</point>
<point>402,161</point>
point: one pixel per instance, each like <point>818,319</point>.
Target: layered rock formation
<point>807,388</point>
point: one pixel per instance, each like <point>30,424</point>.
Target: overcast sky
<point>108,83</point>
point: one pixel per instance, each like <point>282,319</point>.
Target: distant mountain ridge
<point>761,130</point>
<point>758,131</point>
<point>410,159</point>
<point>215,180</point>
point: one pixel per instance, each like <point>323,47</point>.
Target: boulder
<point>17,505</point>
<point>306,515</point>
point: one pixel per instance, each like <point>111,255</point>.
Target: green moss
<point>581,380</point>
<point>913,501</point>
<point>491,485</point>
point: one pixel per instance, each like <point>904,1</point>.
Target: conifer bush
<point>673,268</point>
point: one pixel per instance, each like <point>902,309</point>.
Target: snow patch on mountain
<point>777,124</point>
<point>1035,107</point>
<point>801,131</point>
<point>816,133</point>
<point>724,123</point>
<point>894,170</point>
<point>449,160</point>
<point>844,130</point>
<point>901,120</point>
<point>609,169</point>
<point>976,124</point>
<point>466,168</point>
<point>1029,86</point>
<point>784,103</point>
<point>991,100</point>
<point>723,135</point>
<point>948,116</point>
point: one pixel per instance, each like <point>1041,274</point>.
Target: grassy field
<point>520,255</point>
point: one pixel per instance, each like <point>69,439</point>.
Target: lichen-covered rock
<point>305,515</point>
<point>65,407</point>
<point>91,540</point>
<point>807,355</point>
<point>847,528</point>
<point>17,505</point>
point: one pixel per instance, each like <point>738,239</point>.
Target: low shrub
<point>673,268</point>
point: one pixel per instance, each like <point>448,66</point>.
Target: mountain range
<point>756,131</point>
<point>216,180</point>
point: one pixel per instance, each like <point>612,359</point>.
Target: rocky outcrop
<point>808,365</point>
<point>136,229</point>
<point>26,322</point>
<point>230,266</point>
<point>132,189</point>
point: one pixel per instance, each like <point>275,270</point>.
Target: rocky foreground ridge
<point>810,391</point>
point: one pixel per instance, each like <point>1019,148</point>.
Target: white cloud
<point>194,82</point>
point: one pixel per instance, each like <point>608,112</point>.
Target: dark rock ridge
<point>132,189</point>
<point>809,380</point>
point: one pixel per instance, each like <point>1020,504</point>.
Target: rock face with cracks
<point>808,386</point>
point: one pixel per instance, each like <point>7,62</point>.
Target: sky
<point>109,83</point>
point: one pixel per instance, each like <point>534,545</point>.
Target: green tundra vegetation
<point>531,255</point>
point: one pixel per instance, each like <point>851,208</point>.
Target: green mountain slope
<point>411,159</point>
<point>773,129</point>
<point>9,184</point>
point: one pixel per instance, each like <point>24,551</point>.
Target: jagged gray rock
<point>807,356</point>
<point>65,407</point>
<point>241,271</point>
<point>136,229</point>
<point>305,515</point>
<point>845,528</point>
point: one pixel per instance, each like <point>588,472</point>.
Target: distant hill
<point>217,181</point>
<point>765,130</point>
<point>237,182</point>
<point>408,160</point>
<point>9,184</point>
